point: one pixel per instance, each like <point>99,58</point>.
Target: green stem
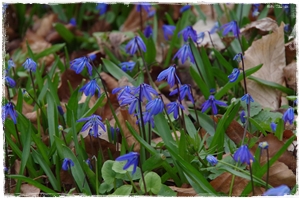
<point>146,68</point>
<point>251,176</point>
<point>131,181</point>
<point>268,167</point>
<point>143,178</point>
<point>37,111</point>
<point>232,183</point>
<point>198,156</point>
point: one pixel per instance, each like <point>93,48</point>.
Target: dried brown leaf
<point>290,72</point>
<point>45,25</point>
<point>29,190</point>
<point>235,132</point>
<point>269,51</point>
<point>184,191</point>
<point>265,25</point>
<point>290,51</point>
<point>222,184</point>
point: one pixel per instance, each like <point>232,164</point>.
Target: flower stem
<point>141,17</point>
<point>146,68</point>
<point>251,176</point>
<point>143,178</point>
<point>268,167</point>
<point>37,111</point>
<point>131,181</point>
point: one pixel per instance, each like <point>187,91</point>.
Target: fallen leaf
<point>290,52</point>
<point>222,184</point>
<point>184,191</point>
<point>269,51</point>
<point>263,25</point>
<point>43,26</point>
<point>290,72</point>
<point>235,132</point>
<point>29,190</point>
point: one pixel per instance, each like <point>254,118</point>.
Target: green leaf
<point>207,68</point>
<point>166,191</point>
<point>46,169</point>
<point>49,51</point>
<point>52,117</point>
<point>256,124</point>
<point>224,90</point>
<point>34,183</point>
<point>124,190</point>
<point>105,187</point>
<point>255,108</point>
<point>118,167</point>
<point>58,9</point>
<point>153,162</point>
<point>223,61</point>
<point>279,129</point>
<point>153,183</point>
<point>272,85</point>
<point>108,174</point>
<point>115,71</point>
<point>67,35</point>
<point>200,83</point>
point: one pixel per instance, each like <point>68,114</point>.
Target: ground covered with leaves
<point>150,99</point>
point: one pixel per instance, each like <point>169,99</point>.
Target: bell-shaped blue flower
<point>187,33</point>
<point>10,64</point>
<point>212,160</point>
<point>127,66</point>
<point>243,155</point>
<point>278,191</point>
<point>72,21</point>
<point>242,117</point>
<point>200,37</point>
<point>155,106</point>
<point>132,158</point>
<point>286,8</point>
<point>170,75</point>
<point>273,126</point>
<point>129,99</point>
<point>9,110</point>
<point>184,8</point>
<point>173,107</point>
<point>215,28</point>
<point>184,53</point>
<point>263,145</point>
<point>78,65</point>
<point>9,81</point>
<point>135,44</point>
<point>231,27</point>
<point>288,116</point>
<point>29,65</point>
<point>212,103</point>
<point>92,122</point>
<point>122,90</point>
<point>247,97</point>
<point>286,28</point>
<point>184,91</point>
<point>148,31</point>
<point>151,13</point>
<point>255,12</point>
<point>145,91</point>
<point>146,6</point>
<point>238,57</point>
<point>60,110</point>
<point>88,162</point>
<point>234,75</point>
<point>168,31</point>
<point>102,8</point>
<point>90,88</point>
<point>147,118</point>
<point>67,164</point>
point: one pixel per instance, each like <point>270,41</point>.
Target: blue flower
<point>90,88</point>
<point>234,75</point>
<point>102,7</point>
<point>92,57</point>
<point>200,37</point>
<point>145,6</point>
<point>147,117</point>
<point>184,91</point>
<point>288,116</point>
<point>92,122</point>
<point>123,89</point>
<point>151,13</point>
<point>132,158</point>
<point>127,66</point>
<point>72,21</point>
<point>212,160</point>
<point>212,102</point>
<point>9,110</point>
<point>148,31</point>
<point>60,110</point>
<point>278,191</point>
<point>286,8</point>
<point>184,8</point>
<point>273,126</point>
<point>170,75</point>
<point>255,10</point>
<point>214,28</point>
<point>231,27</point>
<point>155,106</point>
<point>243,155</point>
<point>10,64</point>
<point>25,93</point>
<point>88,162</point>
<point>29,65</point>
<point>247,97</point>
<point>286,28</point>
<point>135,44</point>
<point>114,132</point>
<point>187,33</point>
<point>60,128</point>
<point>263,145</point>
<point>238,57</point>
<point>173,107</point>
<point>78,64</point>
<point>67,164</point>
<point>184,53</point>
<point>168,31</point>
<point>145,90</point>
<point>242,117</point>
<point>9,81</point>
<point>129,99</point>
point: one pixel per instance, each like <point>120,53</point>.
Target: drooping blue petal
<point>247,97</point>
<point>243,155</point>
<point>30,65</point>
<point>278,191</point>
<point>187,33</point>
<point>234,75</point>
<point>184,8</point>
<point>132,158</point>
<point>168,31</point>
<point>90,88</point>
<point>212,160</point>
<point>288,116</point>
<point>148,31</point>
